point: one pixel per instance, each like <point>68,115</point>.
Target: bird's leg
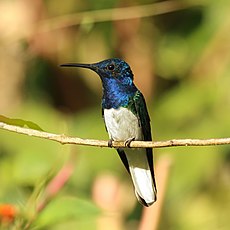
<point>128,141</point>
<point>110,143</point>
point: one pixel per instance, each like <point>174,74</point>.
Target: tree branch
<point>114,14</point>
<point>63,139</point>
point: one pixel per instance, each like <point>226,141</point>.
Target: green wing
<point>140,110</point>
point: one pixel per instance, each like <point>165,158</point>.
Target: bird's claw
<point>110,143</point>
<point>128,142</point>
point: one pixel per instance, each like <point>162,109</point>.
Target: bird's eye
<point>110,67</point>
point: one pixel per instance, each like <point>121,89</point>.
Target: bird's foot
<point>128,142</point>
<point>110,143</point>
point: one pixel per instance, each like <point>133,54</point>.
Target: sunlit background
<point>179,52</point>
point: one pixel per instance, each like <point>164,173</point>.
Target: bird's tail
<point>143,179</point>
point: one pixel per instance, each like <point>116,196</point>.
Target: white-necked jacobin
<point>126,118</point>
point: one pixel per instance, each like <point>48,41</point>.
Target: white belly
<point>122,124</point>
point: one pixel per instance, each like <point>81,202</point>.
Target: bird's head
<point>114,68</point>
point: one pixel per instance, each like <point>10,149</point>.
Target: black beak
<point>87,66</point>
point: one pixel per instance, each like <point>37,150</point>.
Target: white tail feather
<point>141,175</point>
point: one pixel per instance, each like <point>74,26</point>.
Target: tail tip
<point>146,203</point>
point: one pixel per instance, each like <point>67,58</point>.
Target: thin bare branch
<point>114,14</point>
<point>63,139</point>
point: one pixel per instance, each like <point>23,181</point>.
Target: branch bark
<point>63,139</point>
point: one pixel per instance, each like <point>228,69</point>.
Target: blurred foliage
<point>181,62</point>
<point>73,208</point>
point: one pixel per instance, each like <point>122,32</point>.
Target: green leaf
<point>65,208</point>
<point>20,123</point>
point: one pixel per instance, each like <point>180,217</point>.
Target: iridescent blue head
<point>117,80</point>
<point>110,68</point>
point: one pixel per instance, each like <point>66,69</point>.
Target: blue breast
<point>116,95</point>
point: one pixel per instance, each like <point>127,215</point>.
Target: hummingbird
<point>126,119</point>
